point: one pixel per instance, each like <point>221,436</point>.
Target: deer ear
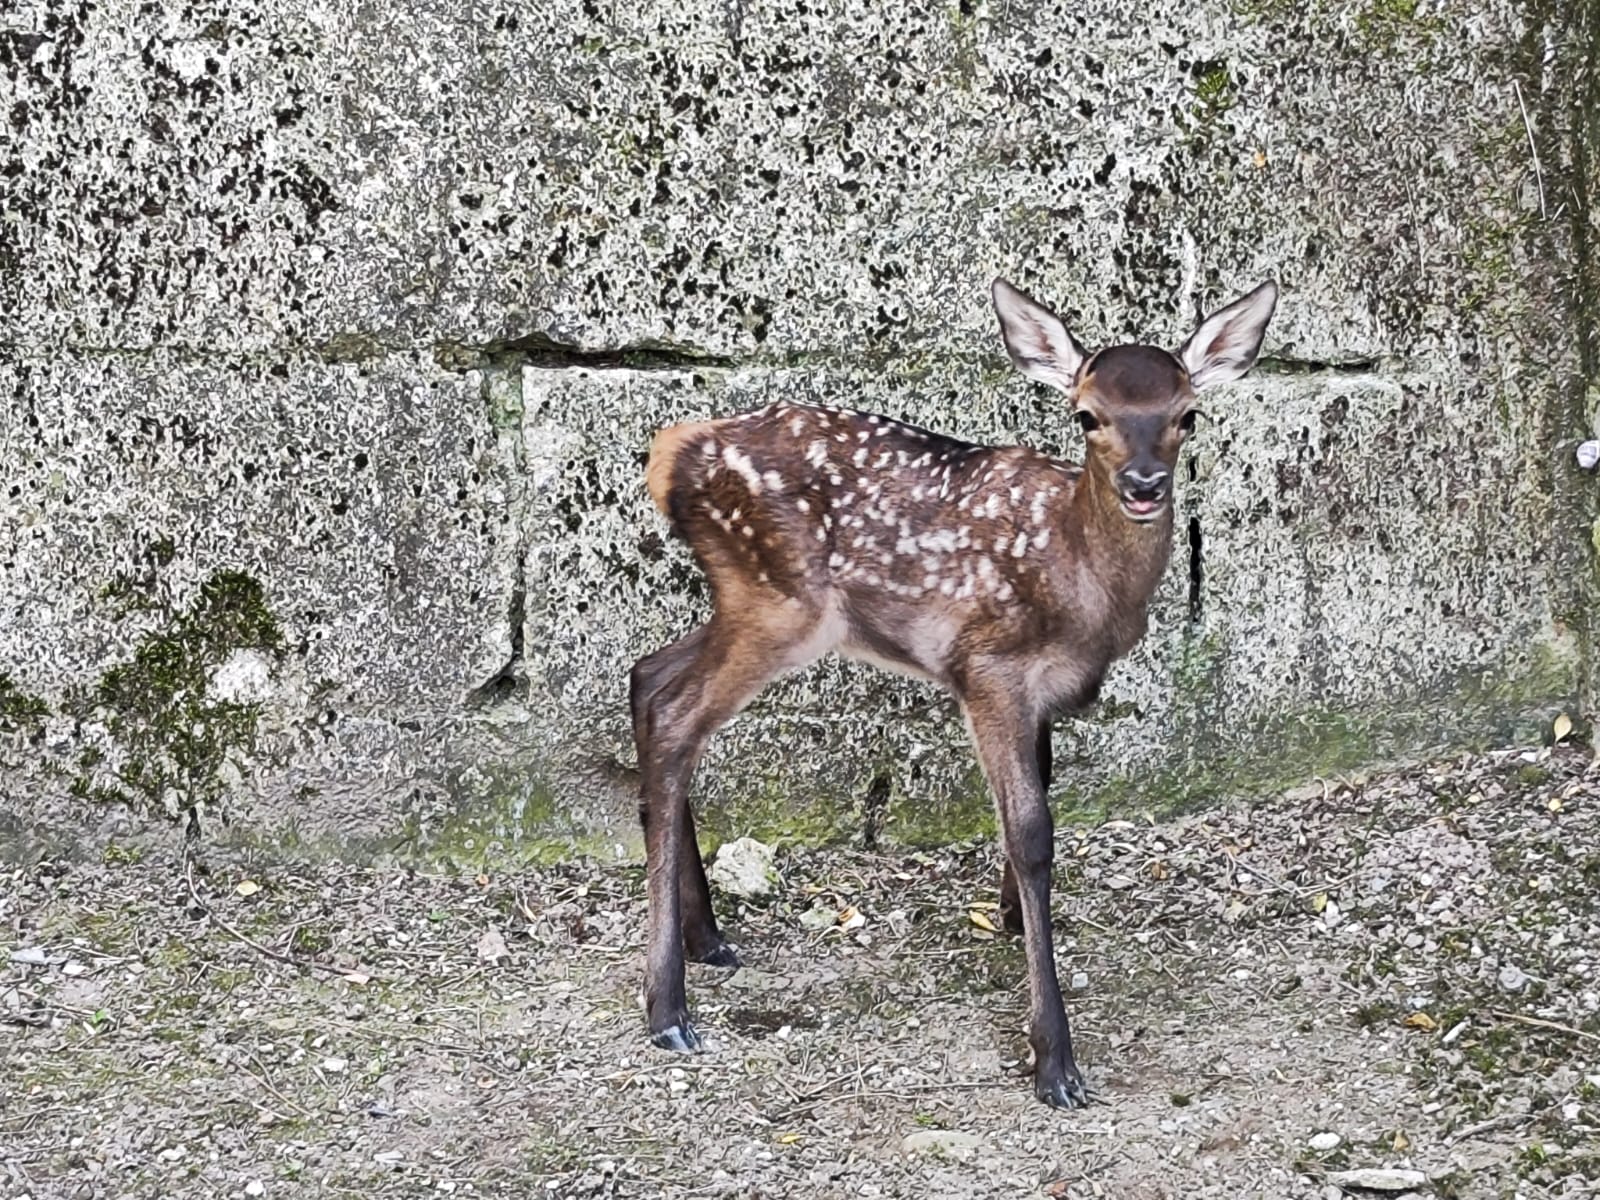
<point>1227,342</point>
<point>1039,344</point>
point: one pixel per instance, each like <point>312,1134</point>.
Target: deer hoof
<point>720,955</point>
<point>1062,1091</point>
<point>680,1037</point>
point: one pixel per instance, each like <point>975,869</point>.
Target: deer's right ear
<point>1039,344</point>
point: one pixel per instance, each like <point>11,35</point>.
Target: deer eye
<point>1086,421</point>
<point>1186,422</point>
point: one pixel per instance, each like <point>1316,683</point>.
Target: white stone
<point>942,1141</point>
<point>744,867</point>
<point>1378,1179</point>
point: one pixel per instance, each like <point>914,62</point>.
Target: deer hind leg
<point>681,696</point>
<point>702,940</point>
<point>1010,903</point>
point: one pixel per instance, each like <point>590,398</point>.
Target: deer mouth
<point>1144,504</point>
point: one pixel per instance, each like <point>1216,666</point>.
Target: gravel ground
<point>1401,973</point>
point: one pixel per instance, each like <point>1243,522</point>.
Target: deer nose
<point>1144,485</point>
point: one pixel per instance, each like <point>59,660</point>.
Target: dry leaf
<point>982,921</point>
<point>852,918</point>
<point>788,1139</point>
<point>1235,909</point>
<point>1555,804</point>
<point>1259,159</point>
<point>248,887</point>
<point>358,978</point>
<point>1319,902</point>
<point>1562,727</point>
<point>1401,1142</point>
<point>1421,1020</point>
<point>1158,868</point>
<point>483,881</point>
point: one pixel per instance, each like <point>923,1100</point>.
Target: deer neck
<point>1126,557</point>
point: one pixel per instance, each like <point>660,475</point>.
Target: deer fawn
<point>1010,578</point>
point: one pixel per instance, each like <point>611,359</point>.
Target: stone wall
<point>332,336</point>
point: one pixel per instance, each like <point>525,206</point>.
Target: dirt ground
<point>1402,973</point>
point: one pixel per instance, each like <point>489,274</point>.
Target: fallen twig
<point>1532,148</point>
<point>1543,1024</point>
<point>303,964</point>
<point>1492,1123</point>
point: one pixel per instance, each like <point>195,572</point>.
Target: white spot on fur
<point>803,505</point>
<point>860,456</point>
<point>738,461</point>
<point>1041,539</point>
<point>817,453</point>
<point>1021,546</point>
<point>772,480</point>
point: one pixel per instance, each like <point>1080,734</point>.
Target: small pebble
<point>1325,1141</point>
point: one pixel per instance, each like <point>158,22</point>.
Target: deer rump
<point>891,542</point>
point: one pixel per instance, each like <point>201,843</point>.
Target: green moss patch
<point>169,740</point>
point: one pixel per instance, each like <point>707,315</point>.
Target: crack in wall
<point>874,811</point>
<point>1197,572</point>
<point>504,405</point>
<point>546,353</point>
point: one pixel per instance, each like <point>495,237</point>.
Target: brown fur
<point>1010,578</point>
<point>665,448</point>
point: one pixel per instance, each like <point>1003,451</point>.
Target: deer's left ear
<point>1039,344</point>
<point>1225,345</point>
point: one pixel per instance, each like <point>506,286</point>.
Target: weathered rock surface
<point>331,341</point>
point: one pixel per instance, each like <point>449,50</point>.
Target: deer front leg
<point>1007,742</point>
<point>1010,905</point>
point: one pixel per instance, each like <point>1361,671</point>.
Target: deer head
<point>1134,403</point>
